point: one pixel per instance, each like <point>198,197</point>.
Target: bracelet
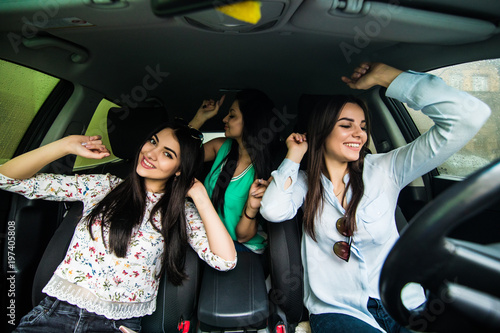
<point>248,217</point>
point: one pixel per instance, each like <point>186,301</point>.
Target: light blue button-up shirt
<point>332,285</point>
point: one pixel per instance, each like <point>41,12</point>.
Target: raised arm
<point>367,75</point>
<point>208,109</point>
<point>26,165</point>
<point>286,192</point>
<point>457,117</point>
<point>297,147</point>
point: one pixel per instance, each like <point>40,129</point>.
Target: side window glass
<point>207,136</point>
<point>22,93</point>
<point>482,80</point>
<point>98,126</point>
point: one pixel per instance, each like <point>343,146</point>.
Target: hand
<point>208,109</point>
<point>256,193</point>
<point>197,190</point>
<point>88,146</point>
<point>367,75</point>
<point>297,147</point>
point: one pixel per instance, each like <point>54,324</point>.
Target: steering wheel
<point>461,279</point>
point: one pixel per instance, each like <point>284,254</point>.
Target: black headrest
<point>129,128</point>
<point>305,107</point>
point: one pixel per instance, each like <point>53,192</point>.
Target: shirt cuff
<point>402,84</point>
<point>287,168</point>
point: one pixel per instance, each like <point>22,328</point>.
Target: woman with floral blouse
<point>132,230</point>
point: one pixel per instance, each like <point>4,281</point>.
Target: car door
<point>30,102</point>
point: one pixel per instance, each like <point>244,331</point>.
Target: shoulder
<point>213,147</point>
<point>218,143</point>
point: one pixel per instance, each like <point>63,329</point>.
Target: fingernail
<point>84,143</point>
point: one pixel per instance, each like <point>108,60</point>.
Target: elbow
<point>273,214</point>
<point>243,239</point>
<point>233,258</point>
<point>480,115</point>
<point>267,212</point>
<point>266,215</point>
<point>229,264</point>
<point>245,236</point>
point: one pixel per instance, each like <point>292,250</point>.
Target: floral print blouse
<point>91,277</point>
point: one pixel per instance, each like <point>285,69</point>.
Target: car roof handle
<point>79,54</point>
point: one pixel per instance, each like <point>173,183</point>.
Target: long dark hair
<point>324,117</point>
<point>123,208</point>
<point>259,139</point>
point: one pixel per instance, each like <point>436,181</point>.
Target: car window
<point>22,93</point>
<point>482,80</point>
<point>98,126</point>
<point>207,136</point>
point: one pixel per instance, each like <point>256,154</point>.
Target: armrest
<point>237,298</point>
<point>174,302</point>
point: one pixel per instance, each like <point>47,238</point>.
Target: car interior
<point>111,67</point>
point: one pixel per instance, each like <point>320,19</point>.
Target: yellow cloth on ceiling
<point>246,11</point>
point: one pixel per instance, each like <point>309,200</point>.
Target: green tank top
<point>235,197</point>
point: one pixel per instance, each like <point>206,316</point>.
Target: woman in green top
<point>242,164</point>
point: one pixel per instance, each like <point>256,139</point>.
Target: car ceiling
<point>298,47</point>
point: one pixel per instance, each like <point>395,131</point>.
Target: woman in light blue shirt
<point>349,197</point>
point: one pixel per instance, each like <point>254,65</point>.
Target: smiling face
<point>348,136</point>
<point>159,159</point>
<point>233,122</point>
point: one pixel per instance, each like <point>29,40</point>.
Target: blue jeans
<point>53,315</point>
<point>336,322</point>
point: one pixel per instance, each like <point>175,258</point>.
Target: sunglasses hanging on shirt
<point>343,248</point>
